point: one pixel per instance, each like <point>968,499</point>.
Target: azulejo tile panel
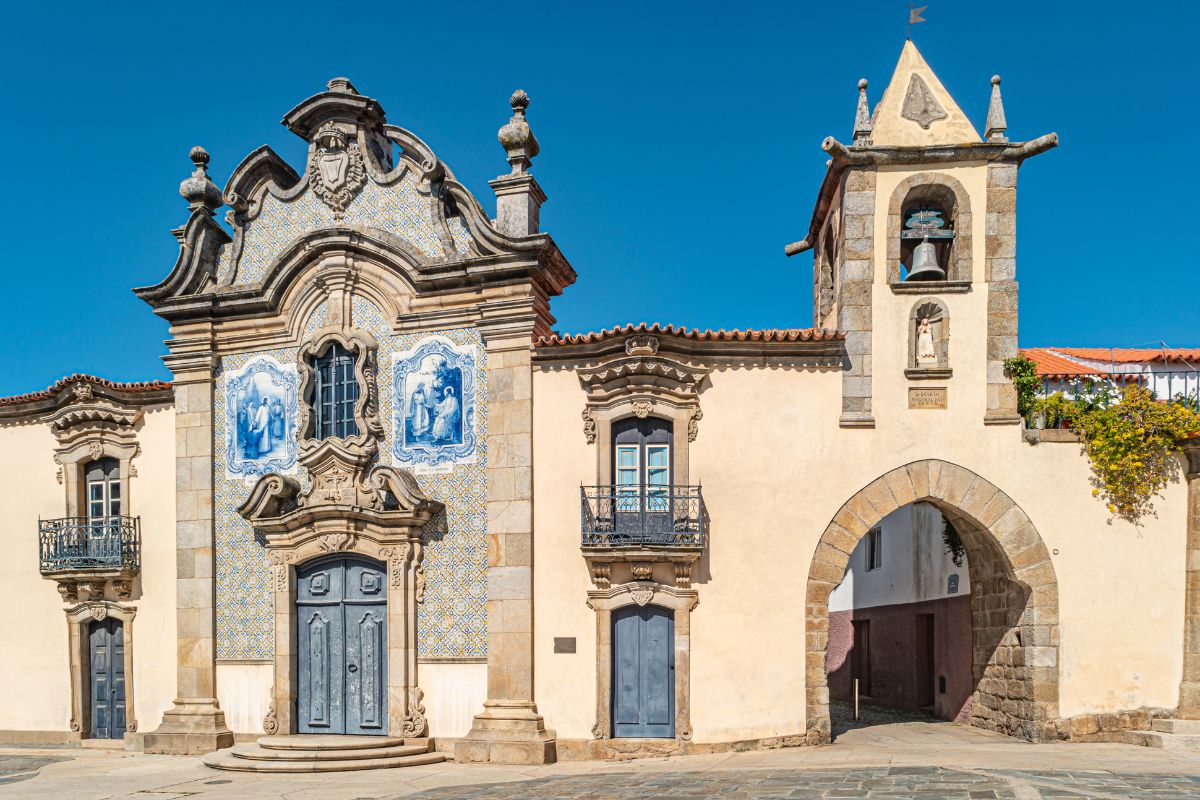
<point>435,413</point>
<point>243,603</point>
<point>260,418</point>
<point>452,619</point>
<point>399,209</point>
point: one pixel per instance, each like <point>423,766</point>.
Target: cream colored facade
<point>505,582</point>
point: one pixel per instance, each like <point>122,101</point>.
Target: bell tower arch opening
<point>1013,596</point>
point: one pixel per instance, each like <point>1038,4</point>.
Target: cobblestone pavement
<point>928,783</point>
<point>892,761</point>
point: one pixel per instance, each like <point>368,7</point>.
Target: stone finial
<point>516,137</point>
<point>199,190</point>
<point>342,85</point>
<point>862,117</point>
<point>996,124</point>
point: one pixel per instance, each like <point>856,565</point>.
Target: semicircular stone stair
<point>316,753</point>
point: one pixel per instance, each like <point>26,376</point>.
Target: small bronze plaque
<point>564,644</point>
<point>927,397</point>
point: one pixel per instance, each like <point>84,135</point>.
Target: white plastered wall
<point>37,671</point>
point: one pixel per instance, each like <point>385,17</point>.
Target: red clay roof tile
<point>765,335</point>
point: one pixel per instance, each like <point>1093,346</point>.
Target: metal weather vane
<point>914,16</point>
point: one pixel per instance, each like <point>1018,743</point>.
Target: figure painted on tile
<point>260,434</point>
<point>926,354</point>
<point>418,411</point>
<point>445,425</point>
<point>433,407</point>
<point>276,419</point>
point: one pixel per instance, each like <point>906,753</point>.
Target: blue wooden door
<point>106,650</point>
<point>643,683</point>
<point>341,615</point>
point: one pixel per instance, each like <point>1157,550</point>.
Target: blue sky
<point>680,147</point>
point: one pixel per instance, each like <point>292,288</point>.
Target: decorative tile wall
<point>452,620</point>
<point>398,209</point>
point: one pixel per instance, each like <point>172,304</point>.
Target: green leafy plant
<point>1023,373</point>
<point>953,542</point>
<point>1058,410</point>
<point>1133,446</point>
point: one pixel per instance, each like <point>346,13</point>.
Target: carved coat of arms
<point>335,168</point>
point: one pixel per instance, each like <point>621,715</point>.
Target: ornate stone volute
<point>199,190</point>
<point>517,137</point>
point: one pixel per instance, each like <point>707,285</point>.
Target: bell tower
<point>915,227</point>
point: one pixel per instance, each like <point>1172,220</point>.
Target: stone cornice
<point>86,400</point>
<point>693,349</point>
<point>843,158</point>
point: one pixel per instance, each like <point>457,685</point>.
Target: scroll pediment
<point>642,372</point>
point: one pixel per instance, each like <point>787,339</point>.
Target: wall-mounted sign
<point>564,644</point>
<point>952,584</point>
<point>927,397</point>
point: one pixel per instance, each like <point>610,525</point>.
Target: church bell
<point>924,264</point>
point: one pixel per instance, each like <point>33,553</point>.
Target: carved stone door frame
<point>400,550</point>
<point>79,618</point>
<point>642,593</point>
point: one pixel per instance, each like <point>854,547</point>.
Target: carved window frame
<point>79,618</point>
<point>939,316</point>
<point>74,459</point>
<point>681,602</point>
<point>684,417</point>
<point>366,371</point>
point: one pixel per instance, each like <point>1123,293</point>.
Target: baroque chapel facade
<point>382,497</point>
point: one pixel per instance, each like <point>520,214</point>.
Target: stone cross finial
<point>862,117</point>
<point>199,190</point>
<point>996,124</point>
<point>516,137</point>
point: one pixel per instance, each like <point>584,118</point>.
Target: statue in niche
<point>926,352</point>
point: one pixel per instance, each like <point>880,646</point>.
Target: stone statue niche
<point>929,340</point>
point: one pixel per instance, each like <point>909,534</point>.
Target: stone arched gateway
<point>1014,595</point>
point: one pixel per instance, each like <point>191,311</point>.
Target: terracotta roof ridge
<point>708,334</point>
<point>80,377</point>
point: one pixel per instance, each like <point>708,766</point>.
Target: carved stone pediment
<point>641,369</point>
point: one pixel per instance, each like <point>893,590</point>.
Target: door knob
<point>353,667</point>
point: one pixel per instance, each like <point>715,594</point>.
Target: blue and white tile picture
<point>434,384</point>
<point>260,424</point>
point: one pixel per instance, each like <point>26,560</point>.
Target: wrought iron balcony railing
<point>85,544</point>
<point>636,516</point>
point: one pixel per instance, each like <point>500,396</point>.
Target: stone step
<point>317,741</point>
<point>1165,741</point>
<point>226,760</point>
<point>1186,726</point>
<point>255,752</point>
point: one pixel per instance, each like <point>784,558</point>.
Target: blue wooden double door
<point>643,696</point>
<point>341,614</point>
<point>106,659</point>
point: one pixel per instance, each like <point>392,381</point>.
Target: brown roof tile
<point>62,383</point>
<point>695,334</point>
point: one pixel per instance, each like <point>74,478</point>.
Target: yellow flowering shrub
<point>1134,448</point>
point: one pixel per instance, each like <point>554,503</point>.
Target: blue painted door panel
<point>643,672</point>
<point>106,650</point>
<point>341,613</point>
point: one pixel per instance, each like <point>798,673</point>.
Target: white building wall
<point>915,564</point>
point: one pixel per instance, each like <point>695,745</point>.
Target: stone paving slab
<point>883,762</point>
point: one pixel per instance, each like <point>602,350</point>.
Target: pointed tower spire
<point>862,117</point>
<point>996,124</point>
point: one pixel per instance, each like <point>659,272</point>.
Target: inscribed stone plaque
<point>564,644</point>
<point>924,397</point>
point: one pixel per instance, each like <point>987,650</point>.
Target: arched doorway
<point>1014,595</point>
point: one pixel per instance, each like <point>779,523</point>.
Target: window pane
<point>114,490</point>
<point>656,455</point>
<point>96,491</point>
<point>627,477</point>
<point>658,476</point>
<point>627,456</point>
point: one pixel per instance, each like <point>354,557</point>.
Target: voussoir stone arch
<point>961,267</point>
<point>1014,595</point>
